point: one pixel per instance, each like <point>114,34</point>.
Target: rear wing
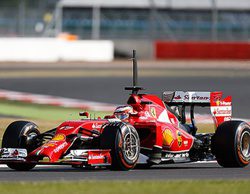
<point>186,98</point>
<point>221,109</point>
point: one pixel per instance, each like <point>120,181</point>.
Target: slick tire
<point>231,144</point>
<point>18,135</point>
<point>124,142</point>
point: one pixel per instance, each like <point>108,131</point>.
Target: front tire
<point>19,134</point>
<point>231,144</point>
<point>124,142</point>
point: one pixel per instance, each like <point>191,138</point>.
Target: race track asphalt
<point>197,171</point>
<point>111,89</point>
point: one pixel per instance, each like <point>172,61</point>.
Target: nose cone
<point>52,150</point>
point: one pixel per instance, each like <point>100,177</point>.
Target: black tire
<point>124,142</point>
<point>231,144</point>
<point>18,135</point>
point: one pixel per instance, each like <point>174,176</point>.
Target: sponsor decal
<point>66,127</point>
<point>177,156</point>
<point>153,112</point>
<point>96,126</point>
<point>177,97</point>
<point>223,103</point>
<point>113,120</point>
<point>143,118</point>
<point>197,98</point>
<point>59,137</point>
<point>227,118</point>
<point>224,111</point>
<point>13,153</point>
<point>179,138</point>
<point>60,147</point>
<point>49,144</point>
<point>200,97</point>
<point>96,157</point>
<point>168,137</point>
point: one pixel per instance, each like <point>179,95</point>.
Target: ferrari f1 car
<point>153,128</point>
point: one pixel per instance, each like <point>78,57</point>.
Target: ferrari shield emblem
<point>153,112</point>
<point>179,138</point>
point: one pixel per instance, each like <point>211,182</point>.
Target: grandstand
<point>155,19</point>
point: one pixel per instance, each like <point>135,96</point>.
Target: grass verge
<point>44,112</point>
<point>124,187</point>
<point>46,117</point>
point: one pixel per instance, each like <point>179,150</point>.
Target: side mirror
<point>84,114</point>
<point>146,102</point>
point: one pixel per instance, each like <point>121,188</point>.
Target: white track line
<point>73,103</point>
<point>55,101</point>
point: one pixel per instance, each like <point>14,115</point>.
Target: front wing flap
<point>13,154</point>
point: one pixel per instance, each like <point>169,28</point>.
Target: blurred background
<point>227,20</point>
<point>79,49</point>
<point>128,23</point>
<point>61,57</point>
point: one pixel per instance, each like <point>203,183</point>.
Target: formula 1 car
<point>149,127</point>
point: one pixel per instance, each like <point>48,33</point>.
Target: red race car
<point>148,127</point>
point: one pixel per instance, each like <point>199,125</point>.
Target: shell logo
<point>167,137</point>
<point>49,145</point>
<point>59,137</point>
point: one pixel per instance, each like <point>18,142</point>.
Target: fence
<point>36,18</point>
<point>23,18</point>
<point>134,23</point>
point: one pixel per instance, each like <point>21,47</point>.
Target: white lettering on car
<point>60,147</point>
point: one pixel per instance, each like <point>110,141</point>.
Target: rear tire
<point>18,135</point>
<point>124,142</point>
<point>231,144</point>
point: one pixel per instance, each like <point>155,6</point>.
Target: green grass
<point>44,112</point>
<point>46,117</point>
<point>125,187</point>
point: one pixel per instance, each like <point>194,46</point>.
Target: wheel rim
<point>245,144</point>
<point>30,136</point>
<point>131,146</point>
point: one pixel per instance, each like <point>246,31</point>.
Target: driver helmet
<point>122,112</point>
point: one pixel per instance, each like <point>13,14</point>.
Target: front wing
<point>91,157</point>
